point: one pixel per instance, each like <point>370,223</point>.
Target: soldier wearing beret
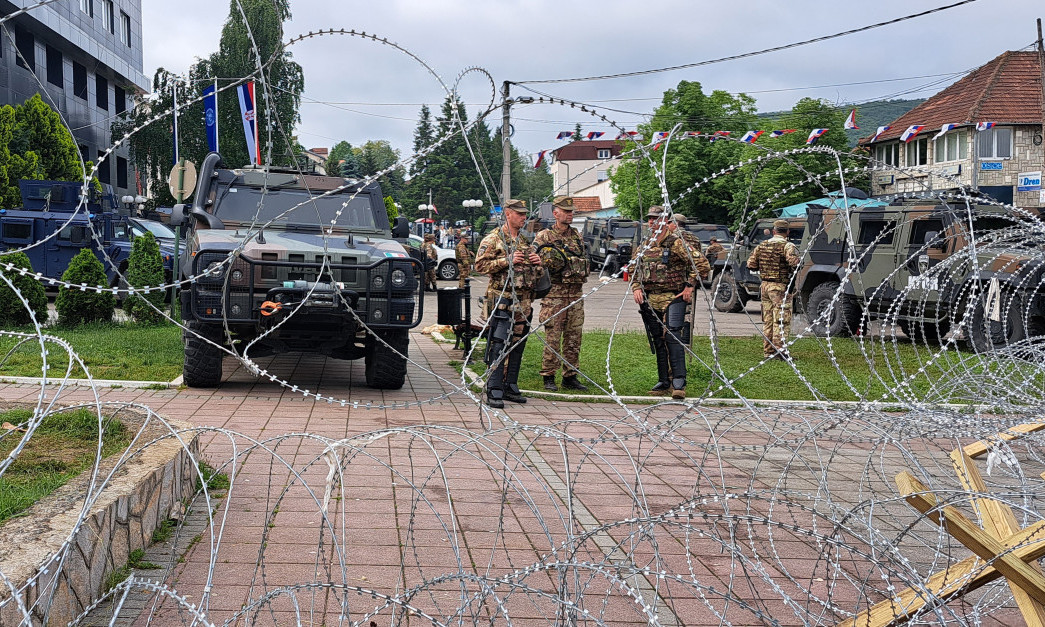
<point>431,259</point>
<point>775,260</point>
<point>562,312</point>
<point>663,285</point>
<point>514,267</point>
<point>465,258</point>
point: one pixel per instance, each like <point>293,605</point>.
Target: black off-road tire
<point>202,366</point>
<point>728,298</point>
<point>385,367</point>
<point>448,270</point>
<point>985,335</point>
<point>844,317</point>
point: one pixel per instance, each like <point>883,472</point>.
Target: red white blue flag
<point>540,159</point>
<point>983,126</point>
<point>751,137</point>
<point>718,134</point>
<point>850,122</point>
<point>782,132</point>
<point>250,122</point>
<point>628,135</point>
<point>815,135</point>
<point>911,132</point>
<point>944,129</point>
<point>595,134</point>
<point>661,135</point>
<point>564,135</point>
<point>692,133</point>
<point>878,133</point>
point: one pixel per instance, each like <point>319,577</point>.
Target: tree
<point>392,210</point>
<point>424,136</point>
<point>577,133</point>
<point>145,269</point>
<point>75,306</point>
<point>12,310</point>
<point>688,160</point>
<point>377,156</point>
<point>342,161</point>
<point>39,128</point>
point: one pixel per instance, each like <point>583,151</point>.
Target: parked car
<point>446,265</point>
<point>609,242</point>
<point>735,284</point>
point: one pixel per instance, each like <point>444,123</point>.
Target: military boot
<point>572,383</point>
<point>511,378</point>
<point>495,387</point>
<point>677,361</point>
<point>663,377</point>
<point>549,383</point>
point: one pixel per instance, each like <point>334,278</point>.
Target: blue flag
<point>210,116</point>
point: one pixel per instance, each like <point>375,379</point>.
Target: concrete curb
<point>98,383</point>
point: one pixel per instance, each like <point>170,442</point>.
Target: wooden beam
<point>1000,523</point>
<point>978,449</point>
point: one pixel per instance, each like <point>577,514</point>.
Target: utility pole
<point>506,146</point>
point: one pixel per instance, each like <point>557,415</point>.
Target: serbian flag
<point>692,133</point>
<point>815,135</point>
<point>628,135</point>
<point>983,126</point>
<point>540,159</point>
<point>944,129</point>
<point>782,132</point>
<point>911,132</point>
<point>660,136</point>
<point>250,122</point>
<point>751,137</point>
<point>850,122</point>
<point>718,134</point>
<point>878,133</point>
<point>595,134</point>
<point>564,135</point>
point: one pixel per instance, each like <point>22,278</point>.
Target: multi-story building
<point>84,57</point>
<point>1004,161</point>
<point>583,169</point>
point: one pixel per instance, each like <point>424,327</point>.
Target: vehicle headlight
<point>398,278</point>
<point>378,316</point>
<point>378,281</point>
<point>216,269</point>
<point>237,275</point>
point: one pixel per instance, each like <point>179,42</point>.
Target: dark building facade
<point>84,57</point>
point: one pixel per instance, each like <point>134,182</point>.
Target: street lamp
<point>133,202</point>
<point>423,208</point>
<point>471,205</point>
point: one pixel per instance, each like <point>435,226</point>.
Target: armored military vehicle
<point>54,223</point>
<point>284,262</point>
<point>609,242</point>
<point>928,265</point>
<point>735,285</point>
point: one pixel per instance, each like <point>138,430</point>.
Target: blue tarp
<point>833,200</point>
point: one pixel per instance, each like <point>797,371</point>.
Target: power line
<point>751,54</point>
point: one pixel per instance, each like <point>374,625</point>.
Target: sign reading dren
<point>1028,181</point>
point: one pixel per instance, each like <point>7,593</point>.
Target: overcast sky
<point>358,90</point>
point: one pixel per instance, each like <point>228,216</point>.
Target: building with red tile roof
<point>583,168</point>
<point>1006,91</point>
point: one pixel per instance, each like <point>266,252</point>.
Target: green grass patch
<point>216,481</point>
<point>63,446</point>
<point>634,368</point>
<point>129,352</point>
<point>136,560</point>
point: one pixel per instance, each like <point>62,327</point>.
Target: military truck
<point>735,285</point>
<point>928,265</point>
<point>282,262</point>
<point>609,242</point>
<point>55,223</point>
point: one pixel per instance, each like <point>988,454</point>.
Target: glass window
<point>125,29</point>
<point>108,21</point>
<point>953,146</point>
<point>87,6</point>
<point>55,67</point>
<point>103,168</point>
<point>603,153</point>
<point>927,233</point>
<point>917,152</point>
<point>121,99</point>
<point>601,175</point>
<point>74,233</point>
<point>887,154</point>
<point>876,231</point>
<point>994,143</point>
<point>26,46</point>
<point>79,81</point>
<point>18,231</point>
<point>121,172</point>
<point>101,95</point>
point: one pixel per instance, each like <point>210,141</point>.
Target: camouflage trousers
<point>562,333</point>
<point>776,317</point>
<point>465,272</point>
<point>430,278</point>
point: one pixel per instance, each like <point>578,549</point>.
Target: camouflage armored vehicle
<point>283,271</point>
<point>735,284</point>
<point>930,266</point>
<point>609,242</point>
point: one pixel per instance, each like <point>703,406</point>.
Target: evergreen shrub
<point>12,310</point>
<point>75,306</point>
<point>145,268</point>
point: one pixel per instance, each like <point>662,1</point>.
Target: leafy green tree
<point>12,310</point>
<point>145,268</point>
<point>688,160</point>
<point>39,128</point>
<point>392,210</point>
<point>342,161</point>
<point>75,306</point>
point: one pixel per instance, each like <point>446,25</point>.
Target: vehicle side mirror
<point>401,230</point>
<point>178,214</point>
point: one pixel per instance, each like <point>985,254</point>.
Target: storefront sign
<point>1028,181</point>
<point>990,165</point>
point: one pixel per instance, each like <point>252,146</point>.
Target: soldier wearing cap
<point>714,250</point>
<point>464,257</point>
<point>775,260</point>
<point>562,310</point>
<point>694,245</point>
<point>432,258</point>
<point>663,285</point>
<point>514,267</point>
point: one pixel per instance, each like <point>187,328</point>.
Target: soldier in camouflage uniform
<point>700,262</point>
<point>514,267</point>
<point>664,282</point>
<point>562,312</point>
<point>714,250</point>
<point>432,257</point>
<point>465,258</point>
<point>775,260</point>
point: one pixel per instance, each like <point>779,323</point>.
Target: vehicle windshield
<point>247,204</point>
<point>705,235</point>
<point>158,229</point>
<point>983,225</point>
<point>624,232</point>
